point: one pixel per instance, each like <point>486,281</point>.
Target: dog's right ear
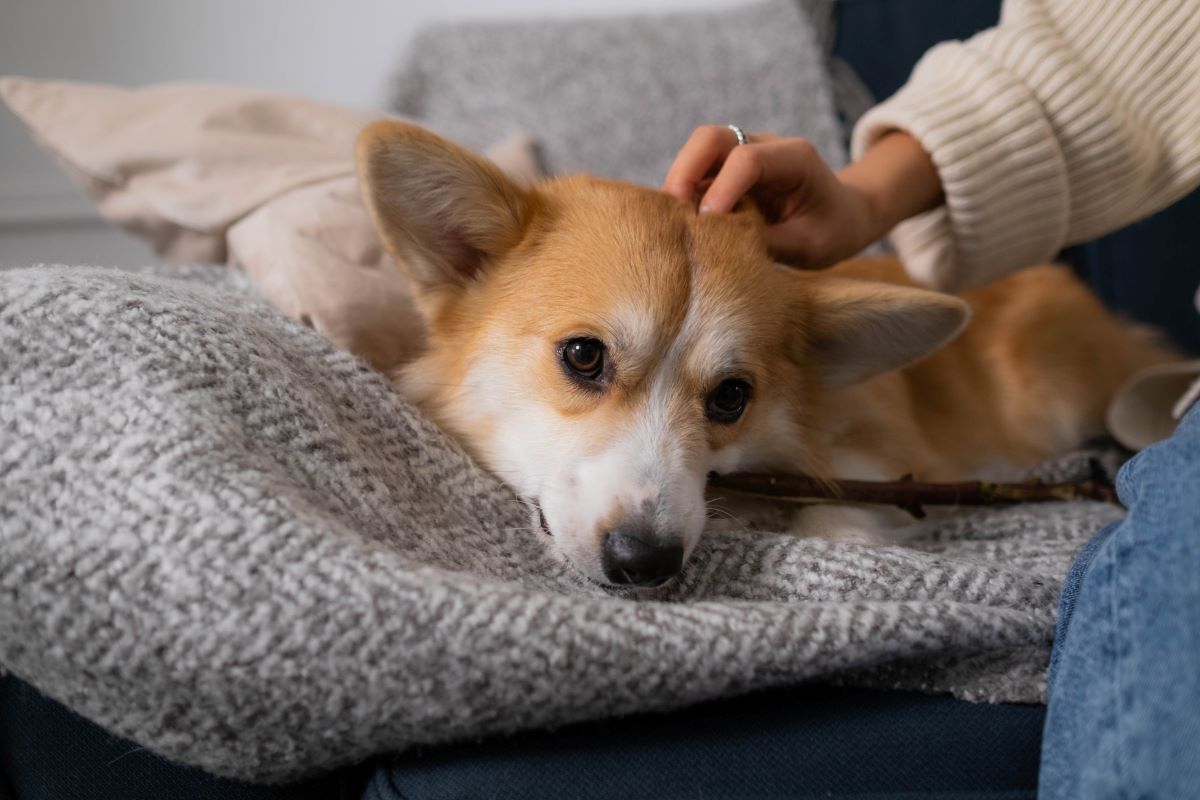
<point>444,213</point>
<point>853,330</point>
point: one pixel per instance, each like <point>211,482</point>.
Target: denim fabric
<point>1124,711</point>
<point>1070,592</point>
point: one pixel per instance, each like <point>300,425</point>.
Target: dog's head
<point>603,348</point>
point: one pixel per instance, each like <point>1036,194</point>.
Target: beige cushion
<point>262,180</point>
<point>1148,407</point>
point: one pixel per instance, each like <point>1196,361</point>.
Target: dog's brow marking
<point>711,339</point>
<point>636,331</point>
<point>690,254</point>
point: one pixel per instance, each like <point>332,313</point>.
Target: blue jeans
<point>1124,712</point>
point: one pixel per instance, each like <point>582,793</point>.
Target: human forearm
<point>1046,133</point>
<point>896,179</point>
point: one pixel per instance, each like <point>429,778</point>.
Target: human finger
<point>774,161</point>
<point>706,148</point>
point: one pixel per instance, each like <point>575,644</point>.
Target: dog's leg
<point>862,524</point>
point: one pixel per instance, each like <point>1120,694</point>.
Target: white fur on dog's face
<point>506,277</point>
<point>590,473</point>
<point>637,452</point>
<point>650,470</point>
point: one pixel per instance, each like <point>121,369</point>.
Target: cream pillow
<point>261,180</point>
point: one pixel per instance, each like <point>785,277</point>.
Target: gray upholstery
<point>617,97</point>
<point>230,542</point>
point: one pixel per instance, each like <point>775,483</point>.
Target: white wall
<point>338,51</point>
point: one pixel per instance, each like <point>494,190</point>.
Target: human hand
<point>815,217</point>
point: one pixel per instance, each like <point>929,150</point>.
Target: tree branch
<point>911,495</point>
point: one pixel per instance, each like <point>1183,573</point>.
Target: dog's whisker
<point>454,385</point>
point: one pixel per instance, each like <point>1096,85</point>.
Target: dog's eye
<point>727,402</point>
<point>584,357</point>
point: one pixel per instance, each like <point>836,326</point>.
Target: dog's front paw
<point>870,525</point>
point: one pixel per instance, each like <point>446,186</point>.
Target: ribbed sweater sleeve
<point>1069,119</point>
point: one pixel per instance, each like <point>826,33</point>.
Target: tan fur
<point>1028,379</point>
<point>682,301</point>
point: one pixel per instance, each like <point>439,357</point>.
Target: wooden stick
<point>911,495</point>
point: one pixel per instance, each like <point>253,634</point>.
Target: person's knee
<point>1170,469</point>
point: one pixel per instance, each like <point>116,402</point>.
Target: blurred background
<point>338,51</point>
<point>608,97</point>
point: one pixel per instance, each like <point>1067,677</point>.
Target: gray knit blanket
<point>226,540</point>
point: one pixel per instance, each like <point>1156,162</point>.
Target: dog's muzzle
<point>634,559</point>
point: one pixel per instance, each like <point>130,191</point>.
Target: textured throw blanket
<point>228,541</point>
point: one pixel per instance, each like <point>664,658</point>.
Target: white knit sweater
<point>1069,119</point>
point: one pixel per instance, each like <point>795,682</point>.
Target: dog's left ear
<point>853,330</point>
<point>444,213</point>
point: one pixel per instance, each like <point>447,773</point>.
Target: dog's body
<point>1029,378</point>
<point>602,348</point>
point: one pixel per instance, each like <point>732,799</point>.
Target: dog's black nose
<point>631,560</point>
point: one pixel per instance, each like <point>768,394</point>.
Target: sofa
<point>811,740</point>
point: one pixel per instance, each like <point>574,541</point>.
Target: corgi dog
<point>603,348</point>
